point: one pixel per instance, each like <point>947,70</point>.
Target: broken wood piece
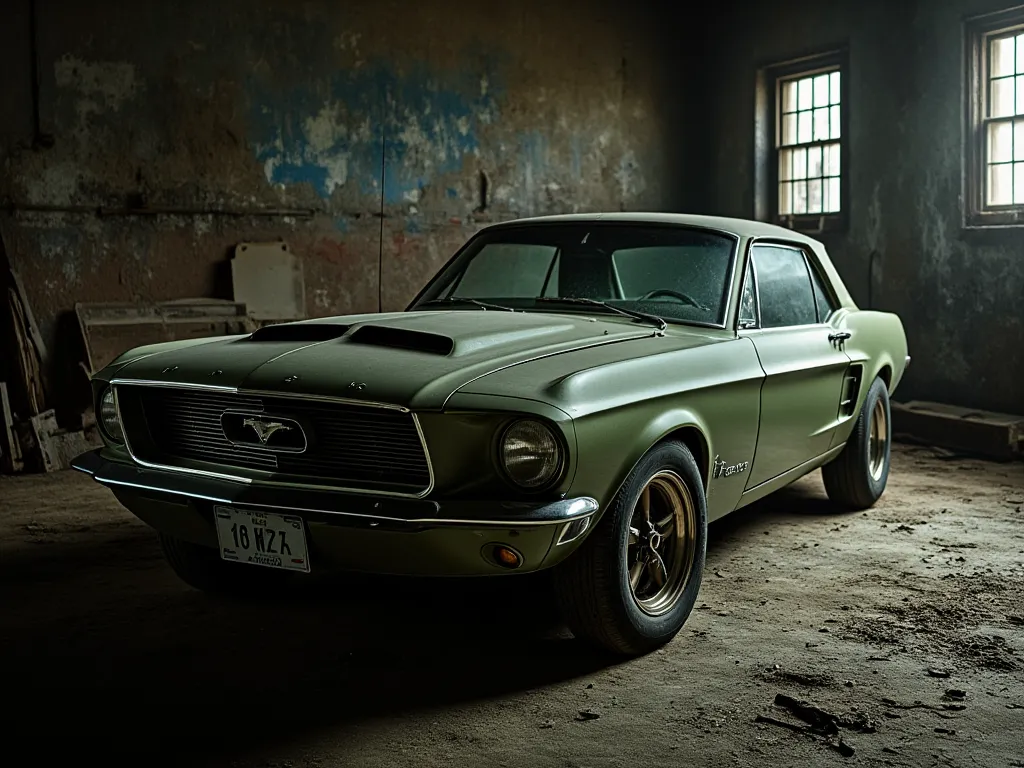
<point>781,723</point>
<point>57,447</point>
<point>916,705</point>
<point>823,720</point>
<point>43,426</point>
<point>840,746</point>
<point>814,716</point>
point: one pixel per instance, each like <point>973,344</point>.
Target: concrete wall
<point>352,115</point>
<point>960,293</point>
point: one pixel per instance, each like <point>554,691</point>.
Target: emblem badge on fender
<point>723,469</point>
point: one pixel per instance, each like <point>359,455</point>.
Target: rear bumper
<point>376,534</point>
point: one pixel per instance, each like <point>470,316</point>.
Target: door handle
<point>839,336</point>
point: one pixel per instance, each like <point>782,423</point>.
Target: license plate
<point>261,538</point>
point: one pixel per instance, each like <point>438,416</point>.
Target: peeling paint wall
<point>381,121</point>
<point>960,293</point>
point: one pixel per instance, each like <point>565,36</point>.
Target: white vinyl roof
<point>740,227</point>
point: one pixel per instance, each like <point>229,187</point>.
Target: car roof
<point>739,227</point>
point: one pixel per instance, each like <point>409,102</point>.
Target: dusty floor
<point>909,619</point>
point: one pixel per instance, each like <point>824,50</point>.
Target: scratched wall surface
<point>373,126</point>
<point>959,293</point>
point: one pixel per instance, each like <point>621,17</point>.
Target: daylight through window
<point>1005,121</point>
<point>808,142</point>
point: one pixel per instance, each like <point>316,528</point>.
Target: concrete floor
<point>876,616</point>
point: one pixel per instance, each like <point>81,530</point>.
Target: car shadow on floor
<point>127,660</point>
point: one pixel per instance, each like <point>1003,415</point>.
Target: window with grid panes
<point>994,128</point>
<point>1005,121</point>
<point>808,141</point>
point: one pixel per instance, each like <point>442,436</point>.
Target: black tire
<point>592,586</point>
<point>202,568</point>
<point>849,480</point>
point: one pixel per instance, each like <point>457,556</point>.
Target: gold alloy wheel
<point>878,440</point>
<point>661,543</point>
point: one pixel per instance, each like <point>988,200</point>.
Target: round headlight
<point>109,421</point>
<point>530,454</point>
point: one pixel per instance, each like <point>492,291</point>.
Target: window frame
<point>768,129</point>
<point>750,270</point>
<point>813,268</point>
<point>977,33</point>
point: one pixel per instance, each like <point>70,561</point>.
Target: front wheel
<point>856,478</point>
<point>634,581</point>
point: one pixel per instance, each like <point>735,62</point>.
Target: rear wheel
<point>203,569</point>
<point>856,478</point>
<point>634,581</point>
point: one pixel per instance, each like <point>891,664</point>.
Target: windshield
<point>677,273</point>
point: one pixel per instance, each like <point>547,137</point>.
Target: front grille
<point>352,446</point>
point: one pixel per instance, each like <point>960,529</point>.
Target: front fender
<point>720,421</point>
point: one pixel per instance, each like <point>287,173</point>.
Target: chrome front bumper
<point>335,507</point>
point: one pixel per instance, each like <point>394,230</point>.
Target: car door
<point>802,357</point>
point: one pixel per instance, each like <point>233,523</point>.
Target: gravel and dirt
<point>893,637</point>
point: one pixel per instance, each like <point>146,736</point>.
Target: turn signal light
<point>507,557</point>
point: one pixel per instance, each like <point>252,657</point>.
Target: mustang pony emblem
<point>264,429</point>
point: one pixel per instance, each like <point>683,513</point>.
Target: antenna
<point>383,172</point>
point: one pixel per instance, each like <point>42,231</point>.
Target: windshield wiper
<point>662,325</point>
<point>464,300</point>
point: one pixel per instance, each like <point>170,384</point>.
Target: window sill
<point>1012,219</point>
<point>812,225</point>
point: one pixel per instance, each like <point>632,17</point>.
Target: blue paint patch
<point>328,133</point>
<point>290,173</point>
<point>325,134</point>
<point>452,193</point>
<point>412,225</point>
<point>341,224</point>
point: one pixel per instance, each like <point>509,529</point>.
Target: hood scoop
<point>299,332</point>
<point>401,338</point>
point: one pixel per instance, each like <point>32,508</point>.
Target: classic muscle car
<point>580,393</point>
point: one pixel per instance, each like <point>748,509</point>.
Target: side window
<point>506,270</point>
<point>784,287</point>
<point>824,304</point>
<point>748,301</point>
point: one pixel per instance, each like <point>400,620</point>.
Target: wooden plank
<point>30,318</point>
<point>994,435</point>
<point>8,439</point>
<point>26,358</point>
<point>110,328</point>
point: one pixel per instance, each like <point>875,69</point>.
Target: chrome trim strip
<point>258,393</point>
<point>241,479</point>
<point>574,509</point>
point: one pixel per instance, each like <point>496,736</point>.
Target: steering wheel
<point>675,295</point>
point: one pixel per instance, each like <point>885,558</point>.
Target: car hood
<point>413,359</point>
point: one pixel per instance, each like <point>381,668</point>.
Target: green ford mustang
<point>577,393</point>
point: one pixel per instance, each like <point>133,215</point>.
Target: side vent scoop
<point>299,332</point>
<point>400,338</point>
